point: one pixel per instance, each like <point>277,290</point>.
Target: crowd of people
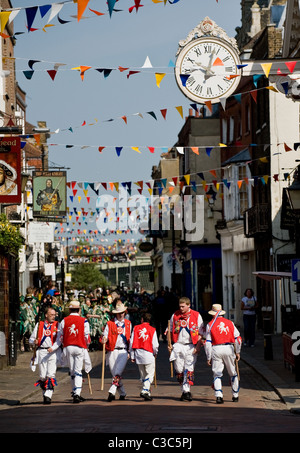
<point>96,306</point>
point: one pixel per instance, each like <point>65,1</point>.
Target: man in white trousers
<point>222,348</point>
<point>116,337</point>
<point>76,338</point>
<point>46,340</point>
<point>143,349</point>
<point>186,326</point>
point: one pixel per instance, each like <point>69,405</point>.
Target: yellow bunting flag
<point>187,179</point>
<point>180,111</point>
<point>135,148</point>
<point>159,76</point>
<point>222,145</point>
<point>263,159</point>
<point>4,16</point>
<point>266,67</point>
<point>272,89</point>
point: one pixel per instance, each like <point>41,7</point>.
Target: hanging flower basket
<point>11,239</point>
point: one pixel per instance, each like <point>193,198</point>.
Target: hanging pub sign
<point>49,195</point>
<point>10,170</point>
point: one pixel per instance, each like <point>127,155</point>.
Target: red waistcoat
<point>51,331</point>
<point>113,334</point>
<point>143,336</point>
<point>73,334</point>
<point>222,331</point>
<point>191,324</point>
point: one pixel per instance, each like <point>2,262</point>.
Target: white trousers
<point>147,376</point>
<point>184,363</point>
<point>223,355</point>
<point>75,356</point>
<point>47,368</point>
<point>116,360</point>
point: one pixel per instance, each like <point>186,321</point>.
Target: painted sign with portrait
<point>49,194</point>
<point>10,170</point>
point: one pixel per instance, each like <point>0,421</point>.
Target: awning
<point>269,275</point>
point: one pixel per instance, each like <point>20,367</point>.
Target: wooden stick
<point>155,383</point>
<point>90,385</point>
<point>170,344</point>
<point>103,366</point>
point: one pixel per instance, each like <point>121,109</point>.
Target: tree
<point>87,275</point>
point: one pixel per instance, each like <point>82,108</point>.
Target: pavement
<point>17,382</point>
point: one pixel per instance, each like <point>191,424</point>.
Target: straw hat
<point>120,308</point>
<point>215,309</point>
<point>74,304</point>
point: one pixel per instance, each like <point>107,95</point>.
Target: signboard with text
<point>49,195</point>
<point>10,170</point>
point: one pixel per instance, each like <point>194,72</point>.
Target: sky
<point>77,111</point>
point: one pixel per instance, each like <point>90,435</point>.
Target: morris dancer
<point>222,347</point>
<point>76,338</point>
<point>47,342</point>
<point>143,350</point>
<point>186,326</point>
<point>116,337</point>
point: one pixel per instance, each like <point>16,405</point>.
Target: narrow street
<point>259,410</point>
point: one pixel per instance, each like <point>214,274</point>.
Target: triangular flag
<point>147,63</point>
<point>81,5</point>
<point>118,150</point>
<point>287,148</point>
<point>135,148</point>
<point>30,15</point>
<point>195,149</point>
<point>180,149</point>
<point>291,65</point>
<point>111,4</point>
<point>254,95</point>
<point>151,149</point>
<point>208,105</point>
<point>187,179</point>
<point>52,73</point>
<point>4,16</point>
<point>239,183</point>
<point>159,76</point>
<point>266,67</point>
<point>164,113</point>
<point>179,110</point>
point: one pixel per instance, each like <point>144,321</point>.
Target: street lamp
<point>293,192</point>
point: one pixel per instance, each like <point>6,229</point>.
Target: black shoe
<point>235,399</point>
<point>147,397</point>
<point>122,397</point>
<point>186,396</point>
<point>76,399</point>
<point>219,400</point>
<point>111,397</point>
<point>47,400</point>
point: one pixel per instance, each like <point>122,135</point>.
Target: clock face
<point>211,67</point>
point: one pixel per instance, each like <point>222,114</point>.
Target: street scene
<point>150,219</point>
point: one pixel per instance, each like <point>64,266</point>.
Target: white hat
<point>120,308</point>
<point>74,304</point>
<point>215,309</point>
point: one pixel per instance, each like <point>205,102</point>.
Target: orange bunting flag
<point>218,62</point>
<point>81,5</point>
<point>239,183</point>
<point>37,139</point>
<point>96,12</point>
<point>125,119</point>
<point>195,150</point>
<point>82,70</point>
<point>208,105</point>
<point>213,172</point>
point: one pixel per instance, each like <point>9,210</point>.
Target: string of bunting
<point>8,15</point>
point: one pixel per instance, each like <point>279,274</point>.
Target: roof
<point>242,156</point>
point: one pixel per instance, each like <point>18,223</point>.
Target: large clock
<point>207,69</point>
